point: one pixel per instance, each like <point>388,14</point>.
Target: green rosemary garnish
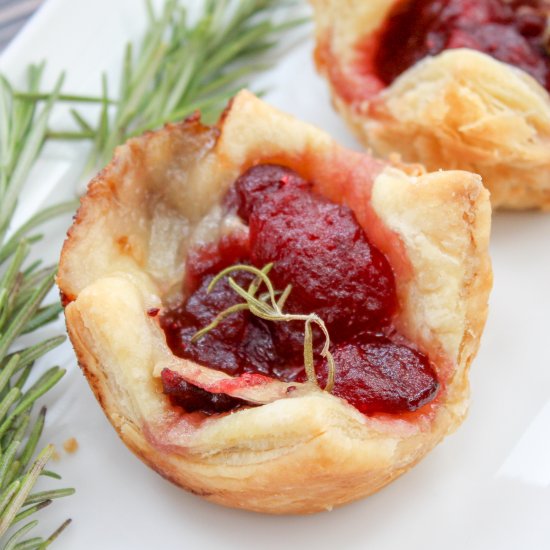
<point>184,65</point>
<point>181,66</point>
<point>23,288</point>
<point>267,306</point>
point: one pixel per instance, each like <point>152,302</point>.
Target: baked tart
<point>269,320</point>
<point>448,83</point>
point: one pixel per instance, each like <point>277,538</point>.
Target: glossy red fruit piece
<point>242,343</point>
<point>211,258</point>
<point>193,399</point>
<point>512,32</point>
<point>320,248</point>
<point>375,374</point>
<point>260,182</point>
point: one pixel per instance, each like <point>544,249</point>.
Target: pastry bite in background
<point>448,83</point>
<point>387,262</point>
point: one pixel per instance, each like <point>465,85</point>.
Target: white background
<point>487,486</point>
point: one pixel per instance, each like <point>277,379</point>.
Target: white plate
<point>487,486</point>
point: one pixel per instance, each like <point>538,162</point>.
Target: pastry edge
<point>421,130</point>
<point>325,455</point>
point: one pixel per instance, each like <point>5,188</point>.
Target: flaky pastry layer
<point>460,109</point>
<point>307,451</point>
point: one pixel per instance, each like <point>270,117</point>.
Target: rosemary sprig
<point>180,66</point>
<point>23,288</point>
<point>183,65</point>
<point>267,306</point>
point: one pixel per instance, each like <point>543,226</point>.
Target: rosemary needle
<point>268,307</point>
<point>182,65</point>
<point>23,288</point>
<point>179,65</point>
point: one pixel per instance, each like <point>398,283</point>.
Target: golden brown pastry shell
<point>460,109</point>
<point>125,255</point>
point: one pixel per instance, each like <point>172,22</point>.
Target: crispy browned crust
<point>124,255</point>
<point>458,110</point>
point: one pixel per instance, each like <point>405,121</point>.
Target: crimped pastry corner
<point>125,255</point>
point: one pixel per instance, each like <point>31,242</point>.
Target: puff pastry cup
<point>458,109</point>
<point>311,451</point>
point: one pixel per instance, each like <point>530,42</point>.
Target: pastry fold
<point>460,109</point>
<point>303,451</point>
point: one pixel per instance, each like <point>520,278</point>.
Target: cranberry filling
<point>193,399</point>
<point>376,374</point>
<point>512,32</point>
<point>320,249</point>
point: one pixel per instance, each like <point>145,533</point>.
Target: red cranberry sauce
<point>512,32</point>
<point>193,399</point>
<point>243,342</point>
<point>320,249</point>
<point>375,374</point>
